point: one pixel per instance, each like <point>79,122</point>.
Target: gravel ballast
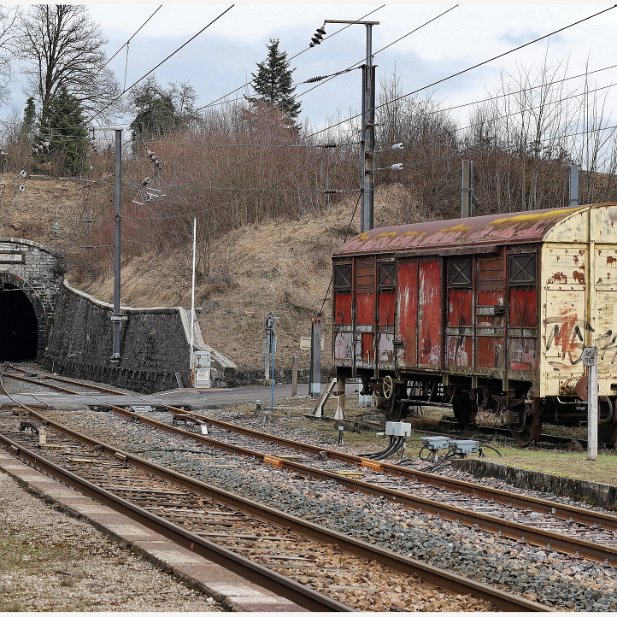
<point>541,575</point>
<point>50,561</point>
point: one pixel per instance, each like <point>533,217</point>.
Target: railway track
<point>297,559</point>
<point>573,530</point>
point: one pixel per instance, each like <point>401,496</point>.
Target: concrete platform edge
<point>249,597</point>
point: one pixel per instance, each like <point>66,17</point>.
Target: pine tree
<point>29,116</point>
<point>273,82</point>
<point>63,134</point>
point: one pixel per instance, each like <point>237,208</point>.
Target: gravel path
<point>50,561</point>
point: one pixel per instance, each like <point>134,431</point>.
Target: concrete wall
<point>154,345</point>
<point>38,272</point>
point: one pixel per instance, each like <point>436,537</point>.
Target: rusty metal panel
<point>343,348</point>
<point>494,229</point>
<point>459,325</point>
<point>564,316</point>
<point>386,307</point>
<point>407,313</point>
<point>364,291</point>
<point>430,314</point>
<point>342,308</point>
<point>522,330</point>
<point>490,313</point>
<point>604,319</point>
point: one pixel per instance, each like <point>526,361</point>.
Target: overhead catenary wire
<point>400,38</point>
<point>470,68</point>
<point>353,215</point>
<point>132,36</point>
<point>221,100</point>
<point>452,76</point>
<point>173,53</point>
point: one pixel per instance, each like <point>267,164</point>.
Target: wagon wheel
<point>387,387</point>
<point>531,428</point>
<point>464,410</point>
<point>607,431</point>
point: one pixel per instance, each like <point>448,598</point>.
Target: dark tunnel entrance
<point>18,325</point>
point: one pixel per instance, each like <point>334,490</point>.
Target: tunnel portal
<point>18,326</point>
<point>30,280</point>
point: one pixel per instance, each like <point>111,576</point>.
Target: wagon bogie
<point>495,311</point>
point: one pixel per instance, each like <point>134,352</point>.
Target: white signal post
<point>590,360</point>
<point>192,355</point>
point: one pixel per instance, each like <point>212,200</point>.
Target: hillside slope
<point>279,266</point>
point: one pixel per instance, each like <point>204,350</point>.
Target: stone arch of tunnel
<point>23,322</point>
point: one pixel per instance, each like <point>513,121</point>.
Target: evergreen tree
<point>29,116</point>
<point>63,134</point>
<point>273,82</point>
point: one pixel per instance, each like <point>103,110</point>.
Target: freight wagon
<point>488,312</point>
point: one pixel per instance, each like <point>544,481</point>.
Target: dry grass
<point>281,266</point>
<point>31,214</point>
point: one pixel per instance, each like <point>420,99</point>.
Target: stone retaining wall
<point>154,345</point>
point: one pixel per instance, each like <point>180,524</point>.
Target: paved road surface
<point>180,397</point>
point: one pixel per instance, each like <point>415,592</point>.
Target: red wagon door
<point>365,309</point>
<point>459,326</point>
<point>430,313</point>
<point>419,314</point>
<point>407,314</point>
<point>490,315</point>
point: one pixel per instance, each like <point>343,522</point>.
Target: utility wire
<point>522,90</point>
<point>470,68</point>
<point>325,298</point>
<point>426,23</point>
<point>221,100</point>
<point>173,53</point>
<point>132,36</point>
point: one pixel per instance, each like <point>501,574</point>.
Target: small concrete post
<point>294,376</point>
<point>574,184</point>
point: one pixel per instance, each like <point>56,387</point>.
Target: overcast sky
<point>223,57</point>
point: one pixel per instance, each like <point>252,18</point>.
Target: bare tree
<point>65,48</point>
<point>8,31</point>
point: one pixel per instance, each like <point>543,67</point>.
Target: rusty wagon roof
<point>491,229</point>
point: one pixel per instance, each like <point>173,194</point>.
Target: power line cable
<point>325,298</point>
<point>426,23</point>
<point>221,100</point>
<point>510,51</point>
<point>470,68</point>
<point>131,37</point>
<point>173,53</point>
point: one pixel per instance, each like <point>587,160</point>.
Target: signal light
<point>318,37</point>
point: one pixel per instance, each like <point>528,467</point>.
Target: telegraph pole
<point>367,142</point>
<point>367,132</point>
<point>116,318</point>
<point>466,189</point>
